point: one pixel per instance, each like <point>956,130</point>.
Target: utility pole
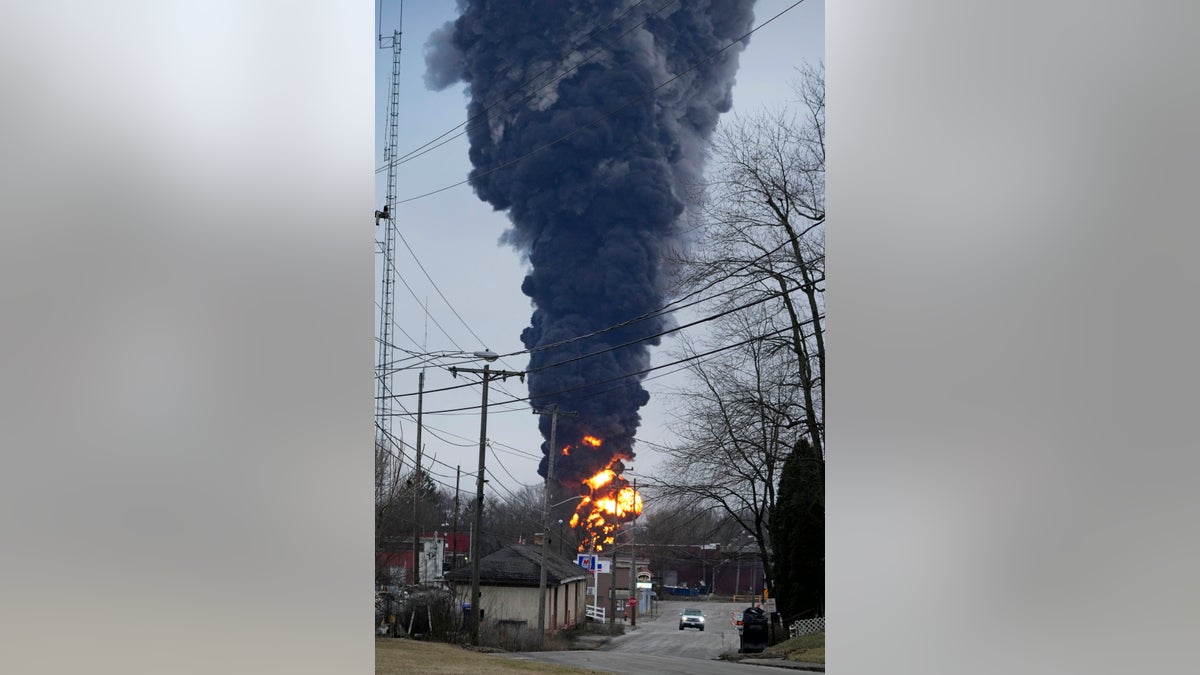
<point>477,532</point>
<point>552,451</point>
<point>737,583</point>
<point>633,567</point>
<point>416,495</point>
<point>612,583</point>
<point>454,548</point>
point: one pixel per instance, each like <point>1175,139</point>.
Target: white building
<point>508,584</point>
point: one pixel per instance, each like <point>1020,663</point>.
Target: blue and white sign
<point>586,561</point>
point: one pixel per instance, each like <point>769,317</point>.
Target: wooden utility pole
<point>612,582</point>
<point>551,453</point>
<point>454,546</point>
<point>416,494</point>
<point>632,608</point>
<point>477,531</point>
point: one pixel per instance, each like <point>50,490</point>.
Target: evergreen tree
<point>798,535</point>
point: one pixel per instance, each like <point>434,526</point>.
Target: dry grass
<point>393,656</point>
<point>808,648</point>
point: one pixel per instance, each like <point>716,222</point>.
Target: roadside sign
<point>769,604</point>
<point>586,561</point>
<point>603,566</point>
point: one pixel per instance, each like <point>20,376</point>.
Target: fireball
<point>608,500</point>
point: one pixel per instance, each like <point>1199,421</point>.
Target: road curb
<point>781,663</point>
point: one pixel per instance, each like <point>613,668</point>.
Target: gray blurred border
<point>187,266</point>
<point>187,335</point>
<point>1011,321</point>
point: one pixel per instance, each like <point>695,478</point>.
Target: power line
<point>448,304</point>
<point>402,443</point>
<point>657,312</point>
<point>515,451</point>
<point>423,307</point>
<point>662,310</point>
<point>651,337</point>
<point>497,458</point>
<point>439,290</point>
<point>602,117</point>
<point>491,441</point>
<point>617,378</point>
<point>397,327</point>
<point>615,347</point>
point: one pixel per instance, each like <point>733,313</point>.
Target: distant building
<point>440,552</point>
<point>707,569</point>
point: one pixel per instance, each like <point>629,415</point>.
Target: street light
<point>488,376</point>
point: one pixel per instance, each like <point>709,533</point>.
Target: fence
<point>807,626</point>
<point>595,612</point>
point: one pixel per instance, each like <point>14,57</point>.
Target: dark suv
<point>691,618</point>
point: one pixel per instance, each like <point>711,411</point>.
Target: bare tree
<point>389,487</point>
<point>760,259</point>
<point>511,515</point>
<point>761,229</point>
<point>737,423</point>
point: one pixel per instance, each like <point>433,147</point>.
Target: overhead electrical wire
<point>497,458</point>
<point>423,307</point>
<point>613,379</point>
<point>435,460</point>
<point>448,304</point>
<point>699,358</point>
<point>670,306</point>
<point>609,349</point>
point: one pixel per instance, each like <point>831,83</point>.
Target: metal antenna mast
<point>387,248</point>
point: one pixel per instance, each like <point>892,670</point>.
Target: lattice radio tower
<point>385,220</point>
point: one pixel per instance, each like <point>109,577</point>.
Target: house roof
<point>518,565</point>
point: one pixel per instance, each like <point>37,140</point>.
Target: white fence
<point>807,626</point>
<point>595,612</point>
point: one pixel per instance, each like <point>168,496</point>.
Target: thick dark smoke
<point>596,212</point>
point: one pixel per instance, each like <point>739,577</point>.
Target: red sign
<point>632,602</point>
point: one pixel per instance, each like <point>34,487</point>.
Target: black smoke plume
<point>595,212</point>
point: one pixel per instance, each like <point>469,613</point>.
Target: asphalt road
<point>658,646</point>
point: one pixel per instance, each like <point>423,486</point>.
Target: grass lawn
<point>809,648</point>
<point>407,656</point>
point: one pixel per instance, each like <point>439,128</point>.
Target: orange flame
<point>602,478</point>
<point>608,501</point>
